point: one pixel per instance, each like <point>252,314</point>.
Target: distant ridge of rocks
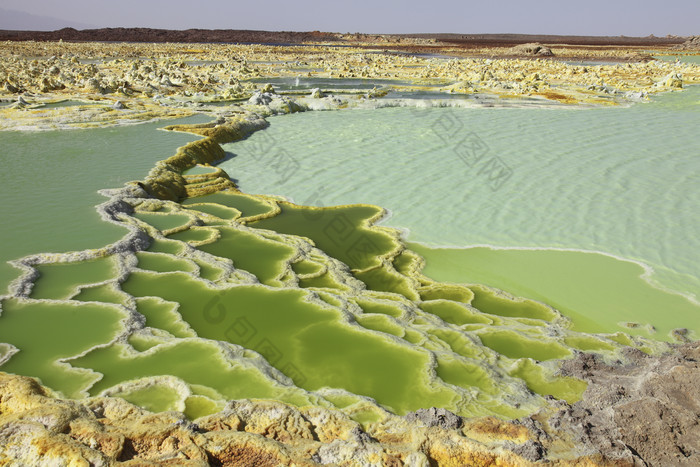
<point>511,40</point>
<point>293,37</point>
<point>168,35</point>
<point>691,43</point>
<point>534,48</point>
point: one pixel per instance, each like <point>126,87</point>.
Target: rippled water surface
<point>622,181</point>
<point>50,179</point>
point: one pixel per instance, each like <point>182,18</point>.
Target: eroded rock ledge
<point>644,412</point>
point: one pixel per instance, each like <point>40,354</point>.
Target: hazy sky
<point>587,17</point>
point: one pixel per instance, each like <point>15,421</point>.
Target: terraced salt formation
<point>227,295</point>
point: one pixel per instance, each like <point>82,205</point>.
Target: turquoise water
<point>623,181</point>
<point>50,180</point>
<point>680,57</point>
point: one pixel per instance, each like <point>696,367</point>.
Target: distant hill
<point>389,41</point>
<point>166,35</point>
<point>21,21</point>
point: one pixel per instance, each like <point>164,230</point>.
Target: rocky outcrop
<point>673,81</point>
<point>36,428</point>
<point>165,180</point>
<point>646,412</point>
<point>534,49</point>
<point>693,43</point>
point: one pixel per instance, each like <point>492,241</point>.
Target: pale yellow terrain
<point>119,83</point>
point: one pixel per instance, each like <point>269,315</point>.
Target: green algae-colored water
<point>598,292</point>
<point>246,296</point>
<point>369,339</point>
<point>681,57</point>
<point>51,179</point>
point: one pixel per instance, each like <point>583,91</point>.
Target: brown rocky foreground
<point>644,411</point>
